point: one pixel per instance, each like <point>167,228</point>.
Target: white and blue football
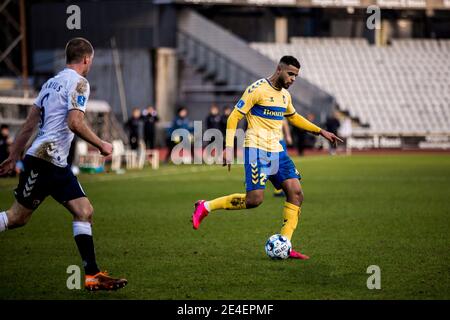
<point>278,247</point>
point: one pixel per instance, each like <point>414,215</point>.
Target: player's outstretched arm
<point>24,134</point>
<point>330,136</point>
<point>232,122</point>
<point>302,123</point>
<point>76,123</point>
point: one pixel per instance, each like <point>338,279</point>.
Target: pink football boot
<point>297,255</point>
<point>199,214</point>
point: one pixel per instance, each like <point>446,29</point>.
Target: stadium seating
<point>402,88</point>
<point>231,64</point>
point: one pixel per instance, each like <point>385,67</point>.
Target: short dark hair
<point>181,109</point>
<point>4,126</point>
<point>290,60</point>
<point>76,49</point>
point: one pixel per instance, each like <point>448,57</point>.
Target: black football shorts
<point>41,178</point>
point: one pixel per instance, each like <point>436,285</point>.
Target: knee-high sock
<point>291,214</point>
<point>234,201</point>
<point>82,232</point>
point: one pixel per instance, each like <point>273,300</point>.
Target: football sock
<point>82,232</point>
<point>3,221</point>
<point>291,213</point>
<point>234,201</point>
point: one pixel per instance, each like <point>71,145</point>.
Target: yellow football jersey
<point>265,108</point>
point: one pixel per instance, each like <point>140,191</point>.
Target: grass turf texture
<point>390,211</point>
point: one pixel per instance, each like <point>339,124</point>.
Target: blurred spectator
<point>346,132</point>
<point>5,142</point>
<point>332,125</point>
<point>304,139</point>
<point>133,129</point>
<point>213,120</point>
<point>223,123</point>
<point>223,120</point>
<point>181,121</point>
<point>150,118</point>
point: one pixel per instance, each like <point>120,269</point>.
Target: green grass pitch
<point>385,210</point>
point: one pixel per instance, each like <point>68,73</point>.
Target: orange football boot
<point>102,281</point>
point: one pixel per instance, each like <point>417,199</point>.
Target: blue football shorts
<point>261,165</point>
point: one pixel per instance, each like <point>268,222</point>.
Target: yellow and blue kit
<point>265,158</point>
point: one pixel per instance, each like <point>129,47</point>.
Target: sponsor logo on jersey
<point>268,112</point>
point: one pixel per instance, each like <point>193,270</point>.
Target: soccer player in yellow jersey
<point>265,104</point>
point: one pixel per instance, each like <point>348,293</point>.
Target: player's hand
<point>106,148</point>
<point>7,166</point>
<point>228,157</point>
<point>330,137</point>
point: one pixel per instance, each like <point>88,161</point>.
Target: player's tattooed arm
<point>25,133</point>
<point>77,124</point>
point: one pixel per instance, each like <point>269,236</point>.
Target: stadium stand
<point>400,89</point>
<point>233,64</point>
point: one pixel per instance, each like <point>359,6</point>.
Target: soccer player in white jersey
<point>59,111</point>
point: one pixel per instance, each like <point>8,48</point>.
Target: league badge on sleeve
<point>240,104</point>
<point>81,100</point>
